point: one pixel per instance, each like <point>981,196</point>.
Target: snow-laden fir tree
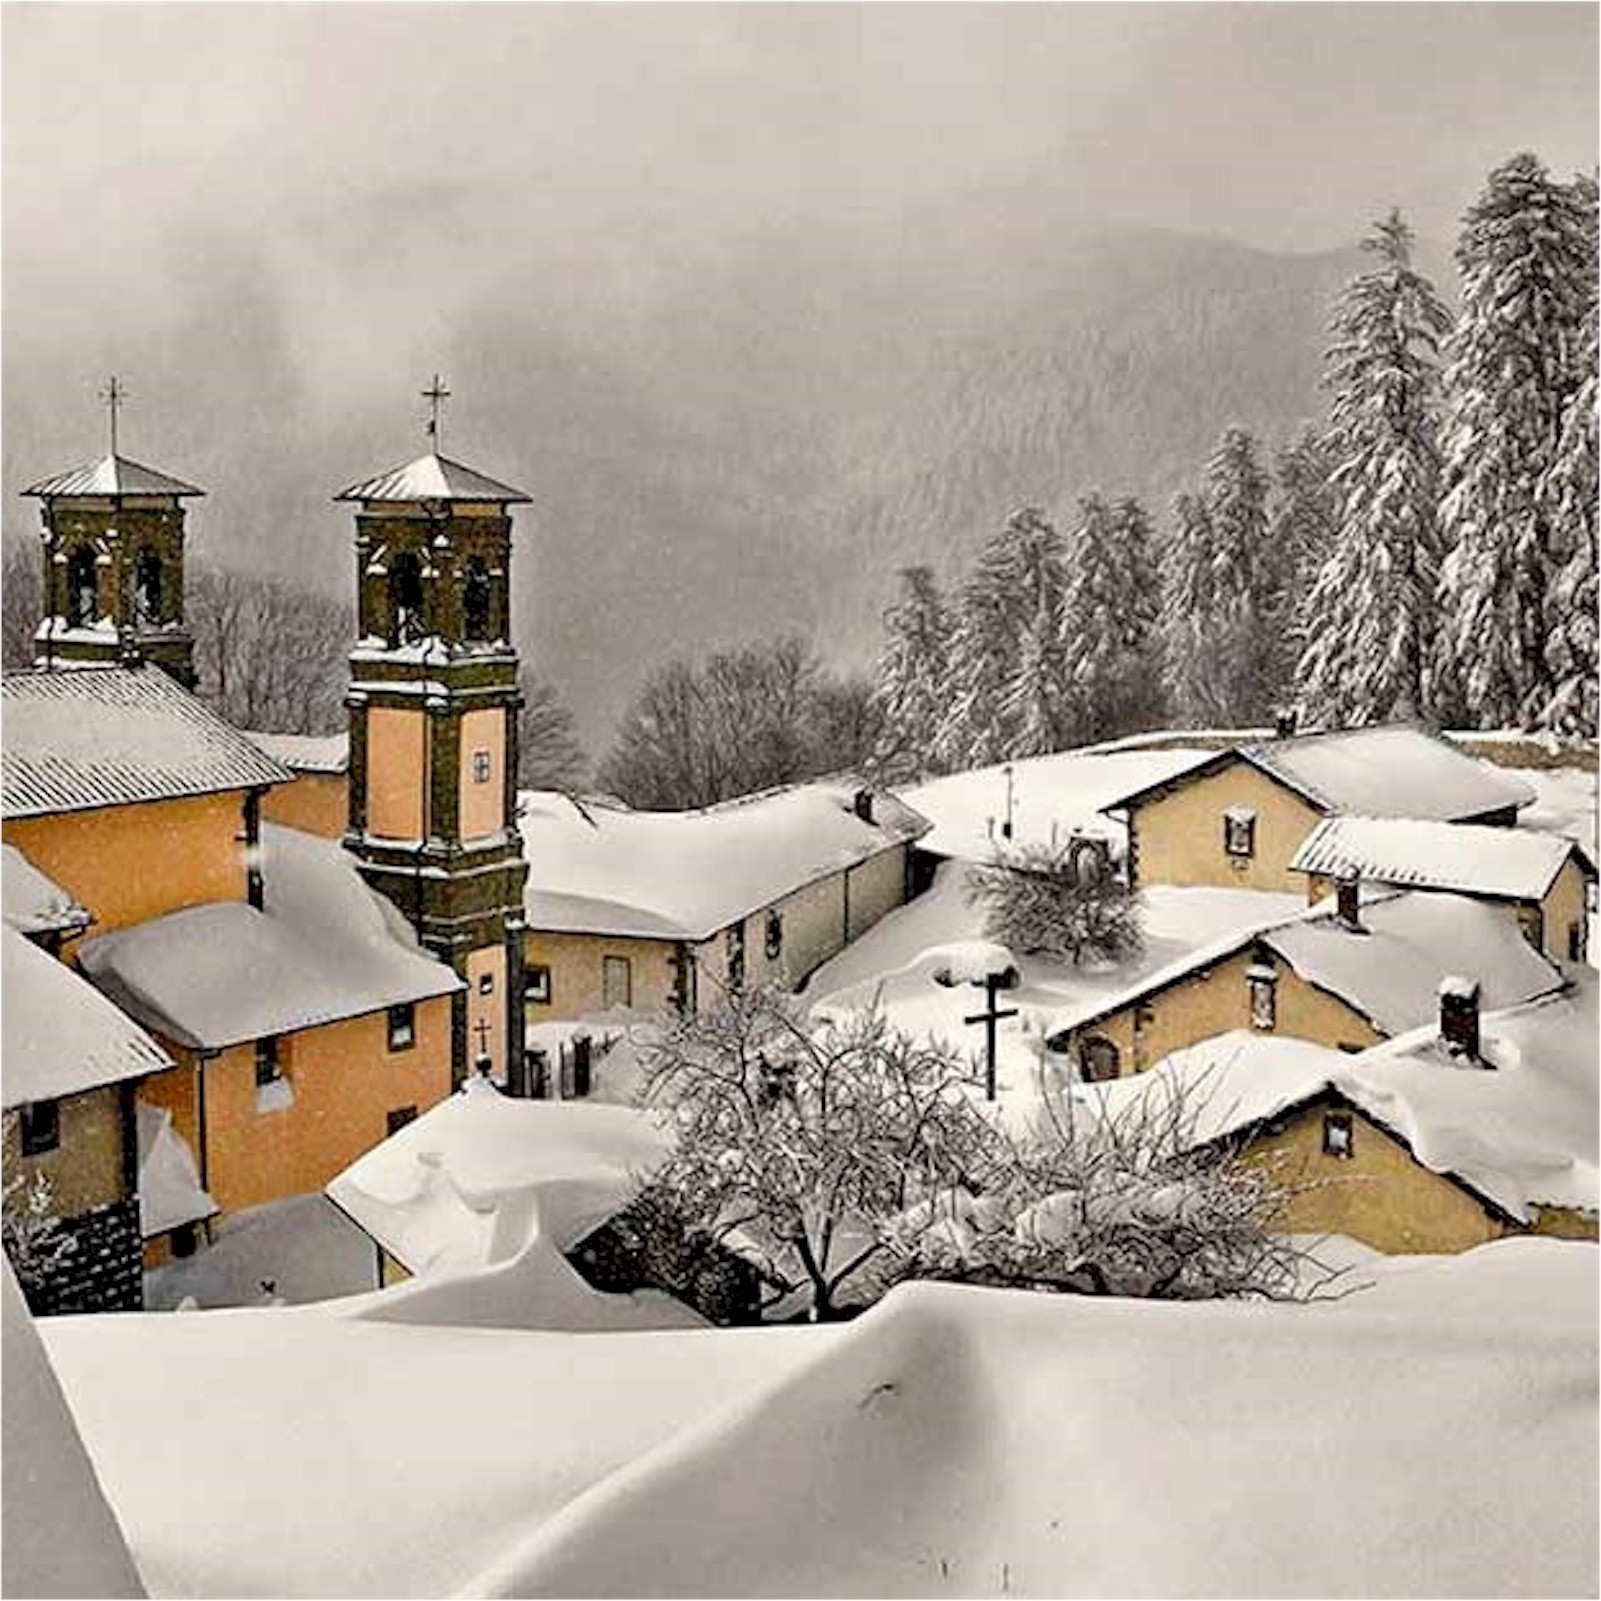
<point>1369,617</point>
<point>1218,596</point>
<point>1301,520</point>
<point>1109,627</point>
<point>1569,493</point>
<point>1513,365</point>
<point>913,674</point>
<point>1008,686</point>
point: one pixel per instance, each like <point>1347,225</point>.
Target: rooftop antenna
<point>434,394</point>
<point>114,395</point>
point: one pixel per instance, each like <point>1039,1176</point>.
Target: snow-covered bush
<point>798,1144</point>
<point>1059,901</point>
<point>1124,1201</point>
<point>34,1238</point>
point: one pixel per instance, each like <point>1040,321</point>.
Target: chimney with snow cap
<point>1459,1015</point>
<point>862,805</point>
<point>1348,901</point>
<point>1284,721</point>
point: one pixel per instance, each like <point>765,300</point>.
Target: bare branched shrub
<point>1060,901</point>
<point>33,1236</point>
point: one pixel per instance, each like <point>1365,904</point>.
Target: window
<point>736,957</point>
<point>536,984</point>
<point>1531,919</point>
<point>41,1127</point>
<point>616,982</point>
<point>475,600</point>
<point>268,1070</point>
<point>402,1026</point>
<point>774,943</point>
<point>486,983</point>
<point>147,588</point>
<point>83,601</point>
<point>1239,831</point>
<point>1097,1059</point>
<point>405,598</point>
<point>1576,942</point>
<point>1263,985</point>
<point>483,767</point>
<point>400,1117</point>
<point>1338,1135</point>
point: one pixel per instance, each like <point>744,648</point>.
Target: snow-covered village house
<point>1346,974</point>
<point>646,910</point>
<point>1546,880</point>
<point>1236,819</point>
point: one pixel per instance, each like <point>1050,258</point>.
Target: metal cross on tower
<point>113,395</point>
<point>434,394</point>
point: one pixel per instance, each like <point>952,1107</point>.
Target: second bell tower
<point>433,704</point>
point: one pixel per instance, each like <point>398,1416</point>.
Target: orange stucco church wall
<point>128,864</point>
<point>345,1080</point>
<point>318,803</point>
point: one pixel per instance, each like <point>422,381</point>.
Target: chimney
<point>863,805</point>
<point>1459,1015</point>
<point>1284,721</point>
<point>1348,901</point>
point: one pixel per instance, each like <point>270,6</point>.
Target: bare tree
<point>803,1143</point>
<point>270,654</point>
<point>21,601</point>
<point>549,755</point>
<point>1063,901</point>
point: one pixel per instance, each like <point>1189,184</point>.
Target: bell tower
<point>113,563</point>
<point>433,704</point>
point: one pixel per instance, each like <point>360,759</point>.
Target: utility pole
<point>993,984</point>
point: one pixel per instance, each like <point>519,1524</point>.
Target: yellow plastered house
<point>1237,819</point>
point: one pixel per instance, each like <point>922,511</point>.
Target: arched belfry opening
<point>82,608</point>
<point>476,602</point>
<point>148,596</point>
<point>405,598</point>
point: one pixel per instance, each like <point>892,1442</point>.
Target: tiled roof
<point>111,475</point>
<point>111,736</point>
<point>431,477</point>
<point>1515,863</point>
<point>60,1035</point>
<point>34,903</point>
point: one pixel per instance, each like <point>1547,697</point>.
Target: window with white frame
<point>1239,832</point>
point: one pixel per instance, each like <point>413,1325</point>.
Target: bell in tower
<point>433,704</point>
<point>113,563</point>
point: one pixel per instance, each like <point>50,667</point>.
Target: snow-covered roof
<point>324,947</point>
<point>1522,1131</point>
<point>1050,798</point>
<point>305,753</point>
<point>61,1538</point>
<point>110,736</point>
<point>1395,770</point>
<point>431,477</point>
<point>169,1181</point>
<point>60,1035</point>
<point>472,1180</point>
<point>1391,972</point>
<point>111,475</point>
<point>33,903</point>
<point>602,869</point>
<point>1509,863</point>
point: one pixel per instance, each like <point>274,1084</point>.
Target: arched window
<point>405,598</point>
<point>475,600</point>
<point>147,588</point>
<point>83,601</point>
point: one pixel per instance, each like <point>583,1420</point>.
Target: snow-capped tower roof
<point>109,476</point>
<point>432,477</point>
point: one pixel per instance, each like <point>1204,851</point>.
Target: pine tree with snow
<point>1218,595</point>
<point>1369,617</point>
<point>1302,514</point>
<point>1527,254</point>
<point>913,669</point>
<point>1109,627</point>
<point>1569,494</point>
<point>1009,687</point>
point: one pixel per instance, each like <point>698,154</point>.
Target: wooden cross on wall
<point>481,1029</point>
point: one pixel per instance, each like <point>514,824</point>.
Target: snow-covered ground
<point>896,961</point>
<point>1565,802</point>
<point>1433,1434</point>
